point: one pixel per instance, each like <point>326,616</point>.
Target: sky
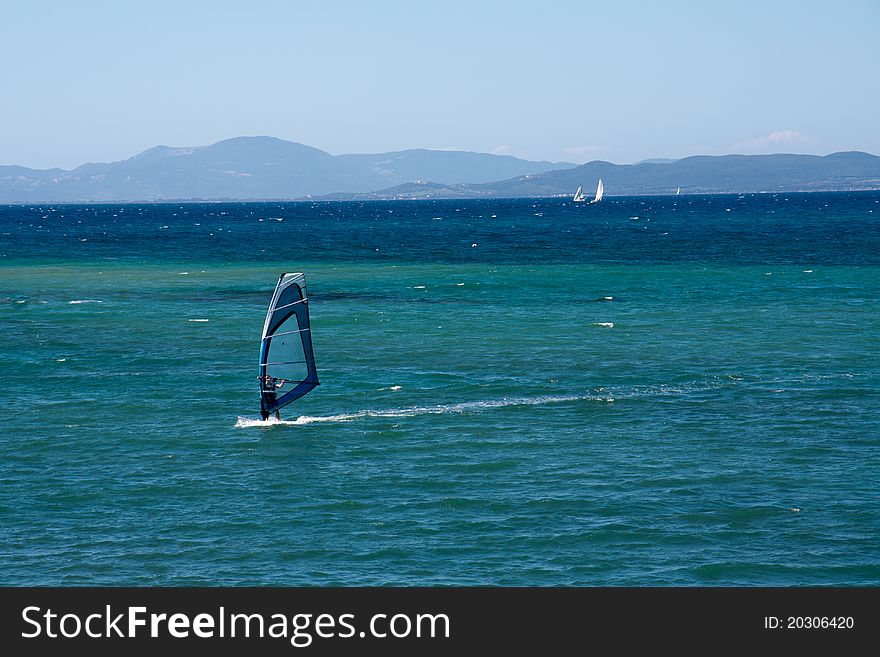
<point>575,81</point>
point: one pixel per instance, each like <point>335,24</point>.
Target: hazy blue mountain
<point>269,168</point>
<point>695,175</point>
<point>656,160</point>
<point>705,174</point>
<point>254,168</point>
<point>409,191</point>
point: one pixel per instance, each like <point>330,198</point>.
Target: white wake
<point>412,411</point>
<point>600,394</point>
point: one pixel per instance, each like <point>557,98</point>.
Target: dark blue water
<point>646,391</point>
<point>839,229</point>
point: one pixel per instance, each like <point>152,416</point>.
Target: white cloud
<point>776,139</point>
<point>786,136</point>
<point>583,150</point>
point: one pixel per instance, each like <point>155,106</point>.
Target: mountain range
<point>247,168</point>
<point>254,168</point>
<point>847,171</point>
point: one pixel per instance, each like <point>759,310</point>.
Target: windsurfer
<point>270,385</point>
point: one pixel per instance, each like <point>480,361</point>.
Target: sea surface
<point>645,391</point>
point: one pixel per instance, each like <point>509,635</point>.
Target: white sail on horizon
<point>579,195</point>
<point>600,192</point>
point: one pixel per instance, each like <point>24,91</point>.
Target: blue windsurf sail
<point>287,361</point>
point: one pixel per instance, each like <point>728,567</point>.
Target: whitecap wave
<point>79,301</point>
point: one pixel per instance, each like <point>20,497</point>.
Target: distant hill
<point>656,160</point>
<point>254,168</point>
<point>695,175</point>
<point>251,168</point>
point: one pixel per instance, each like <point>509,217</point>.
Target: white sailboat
<point>678,191</point>
<point>600,192</point>
<point>579,195</point>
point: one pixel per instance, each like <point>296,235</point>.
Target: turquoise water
<point>654,391</point>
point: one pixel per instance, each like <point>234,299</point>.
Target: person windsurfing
<point>270,385</point>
